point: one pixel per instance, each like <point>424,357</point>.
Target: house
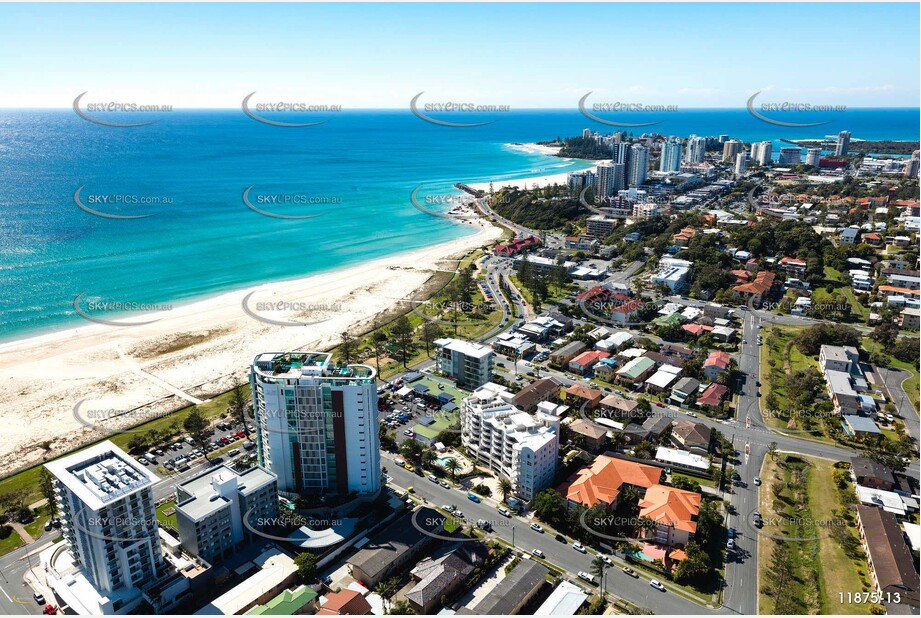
<point>514,591</point>
<point>565,600</point>
<point>614,406</point>
<point>545,389</point>
<point>301,600</point>
<point>910,318</point>
<point>899,505</point>
<point>636,370</point>
<point>394,547</point>
<point>675,512</point>
<point>792,266</point>
<point>724,334</point>
<point>891,562</point>
<point>870,473</point>
<point>584,362</point>
<point>858,426</point>
<point>593,436</point>
<point>677,458</point>
<point>675,349</point>
<point>567,353</point>
<point>438,578</point>
<point>516,246</point>
<point>873,239</point>
<point>603,481</point>
<point>606,368</point>
<point>690,436</point>
<point>651,429</point>
<point>839,358</point>
<point>345,603</point>
<point>716,363</point>
<point>577,395</point>
<point>849,235</point>
<point>661,379</point>
<point>627,311</point>
<point>712,396</point>
<point>684,391</point>
<point>755,291</point>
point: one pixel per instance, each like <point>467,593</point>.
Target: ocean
<point>353,176</point>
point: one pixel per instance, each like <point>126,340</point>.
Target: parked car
<point>731,533</point>
<point>143,460</point>
<point>444,484</point>
<point>432,478</point>
<point>657,585</point>
<point>757,480</point>
<point>504,511</point>
<point>537,552</point>
<point>587,577</point>
<point>50,610</point>
<point>473,497</point>
<point>630,572</point>
<point>579,548</point>
<point>39,598</point>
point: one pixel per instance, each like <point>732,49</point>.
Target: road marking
<point>6,595</point>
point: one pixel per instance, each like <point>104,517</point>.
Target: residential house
<point>568,352</point>
<point>439,578</point>
<point>891,562</point>
<point>754,292</point>
<point>684,391</point>
<point>650,430</point>
<point>578,395</point>
<point>345,603</point>
<point>614,406</point>
<point>690,436</point>
<point>870,473</point>
<point>662,379</point>
<point>604,480</point>
<point>594,437</point>
<point>394,547</point>
<point>514,591</point>
<point>545,389</point>
<point>716,363</point>
<point>712,396</point>
<point>584,362</point>
<point>636,370</point>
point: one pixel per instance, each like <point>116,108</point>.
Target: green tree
<point>306,564</point>
<point>196,426</point>
<point>597,568</point>
<point>452,466</point>
<point>772,451</point>
<point>238,406</point>
<point>401,608</point>
<point>505,488</point>
<point>402,334</point>
<point>347,348</point>
<point>46,486</point>
<point>386,589</point>
<point>550,506</point>
<point>378,340</point>
<point>430,332</point>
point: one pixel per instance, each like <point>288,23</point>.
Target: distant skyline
<point>535,56</point>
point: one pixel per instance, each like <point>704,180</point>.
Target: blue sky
<point>525,56</point>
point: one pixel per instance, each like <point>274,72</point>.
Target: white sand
<point>532,182</point>
<point>191,351</point>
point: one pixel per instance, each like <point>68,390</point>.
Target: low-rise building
<point>891,562</point>
<point>715,364</point>
<point>682,459</point>
<point>583,363</point>
<point>675,512</point>
<point>578,395</point>
<point>399,544</point>
<point>690,436</point>
<point>684,391</point>
<point>514,591</point>
<point>594,437</point>
<point>636,371</point>
<point>438,578</point>
<point>545,389</point>
<point>469,364</point>
<point>567,353</point>
<point>604,480</point>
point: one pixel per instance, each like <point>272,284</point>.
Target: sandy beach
<point>531,182</point>
<point>190,351</point>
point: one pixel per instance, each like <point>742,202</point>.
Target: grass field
<point>13,541</point>
<point>167,520</point>
<point>912,384</point>
<point>805,509</point>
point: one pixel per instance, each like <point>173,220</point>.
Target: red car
<point>240,434</point>
<point>50,610</point>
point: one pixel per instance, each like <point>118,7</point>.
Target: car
<point>730,544</point>
<point>159,452</point>
<point>447,507</point>
<point>473,497</point>
<point>537,552</point>
<point>39,598</point>
<point>458,514</point>
<point>537,528</point>
<point>504,511</point>
<point>657,585</point>
<point>630,572</point>
<point>579,548</point>
<point>411,489</point>
<point>444,484</point>
<point>757,480</point>
<point>410,468</point>
<point>143,461</point>
<point>432,478</point>
<point>731,533</point>
<point>50,610</point>
<point>189,440</point>
<point>890,418</point>
<point>233,452</point>
<point>587,577</point>
<point>758,383</point>
<point>745,341</point>
<point>691,414</point>
<point>607,560</point>
<point>48,526</point>
<point>560,538</point>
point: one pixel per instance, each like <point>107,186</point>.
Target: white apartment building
<point>468,363</point>
<point>697,148</point>
<point>670,159</point>
<point>316,423</point>
<point>519,446</point>
<point>109,525</point>
<point>813,156</point>
<point>218,509</point>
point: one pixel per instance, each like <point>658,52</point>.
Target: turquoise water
<point>442,461</point>
<point>202,239</point>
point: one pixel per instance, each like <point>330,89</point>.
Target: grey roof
<point>862,424</point>
<point>507,595</point>
<point>198,498</point>
<point>864,467</point>
<point>395,540</point>
<point>687,385</point>
<point>437,575</point>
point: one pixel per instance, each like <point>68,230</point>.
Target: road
<point>525,539</point>
<point>15,595</point>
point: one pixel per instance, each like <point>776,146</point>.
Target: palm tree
<point>452,466</point>
<point>505,486</point>
<point>647,525</point>
<point>597,568</point>
<point>386,589</point>
<point>427,457</point>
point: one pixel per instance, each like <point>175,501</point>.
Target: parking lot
<point>182,453</point>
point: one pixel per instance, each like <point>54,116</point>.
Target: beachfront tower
<point>843,144</point>
<point>670,160</point>
<point>316,423</point>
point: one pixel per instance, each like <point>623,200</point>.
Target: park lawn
<point>703,482</point>
<point>37,527</point>
<point>167,520</point>
<point>13,541</point>
<point>838,572</point>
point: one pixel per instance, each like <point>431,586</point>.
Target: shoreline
<point>194,349</point>
<point>534,181</point>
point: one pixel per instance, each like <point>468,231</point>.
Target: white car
<point>579,548</point>
<point>537,528</point>
<point>447,507</point>
<point>504,511</point>
<point>607,560</point>
<point>587,577</point>
<point>657,585</point>
<point>537,552</point>
<point>757,480</point>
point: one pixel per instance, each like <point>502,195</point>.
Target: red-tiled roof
<point>712,395</point>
